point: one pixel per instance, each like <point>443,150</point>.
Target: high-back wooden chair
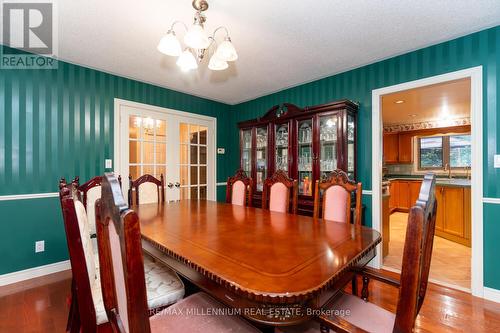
<point>122,275</point>
<point>147,189</point>
<point>336,199</point>
<point>239,189</point>
<point>90,192</point>
<point>417,254</point>
<point>280,193</point>
<point>82,313</point>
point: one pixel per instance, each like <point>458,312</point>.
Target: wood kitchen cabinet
<point>398,148</point>
<point>405,148</point>
<point>391,147</point>
<point>453,219</point>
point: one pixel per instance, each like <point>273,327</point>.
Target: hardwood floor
<point>450,264</point>
<point>40,305</point>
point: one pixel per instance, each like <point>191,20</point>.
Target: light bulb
<point>226,51</point>
<point>196,37</point>
<point>170,45</point>
<point>215,64</point>
<point>186,61</point>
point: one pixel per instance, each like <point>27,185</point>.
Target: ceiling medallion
<point>198,43</point>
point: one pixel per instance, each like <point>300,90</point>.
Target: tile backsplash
<point>400,169</point>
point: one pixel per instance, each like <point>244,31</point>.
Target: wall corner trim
<point>491,294</point>
<point>34,272</point>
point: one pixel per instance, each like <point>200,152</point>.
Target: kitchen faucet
<point>447,167</point>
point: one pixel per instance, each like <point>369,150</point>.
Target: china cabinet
<point>308,143</point>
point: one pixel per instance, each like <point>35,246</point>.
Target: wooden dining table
<point>272,268</point>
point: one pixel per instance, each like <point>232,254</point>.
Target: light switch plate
<point>39,246</point>
<point>221,151</point>
<point>496,161</point>
<point>108,163</point>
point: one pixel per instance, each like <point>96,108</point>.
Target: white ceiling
<point>280,43</point>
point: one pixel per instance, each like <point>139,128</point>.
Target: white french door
<point>157,141</point>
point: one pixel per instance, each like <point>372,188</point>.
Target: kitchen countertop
<point>442,181</point>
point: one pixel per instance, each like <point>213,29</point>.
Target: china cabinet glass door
<point>281,144</point>
<point>261,157</point>
<point>246,151</point>
<point>328,136</point>
<point>350,146</point>
<point>304,156</point>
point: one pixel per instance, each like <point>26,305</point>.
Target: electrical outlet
<point>108,163</point>
<point>221,151</point>
<point>39,246</point>
<point>496,161</point>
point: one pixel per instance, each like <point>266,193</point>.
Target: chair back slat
<point>239,189</point>
<point>122,265</point>
<point>82,284</point>
<point>147,189</point>
<point>286,190</point>
<point>335,203</point>
<point>417,256</point>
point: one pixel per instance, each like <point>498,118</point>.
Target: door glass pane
<point>135,171</point>
<point>350,146</point>
<point>194,193</point>
<point>203,175</point>
<point>194,154</point>
<point>305,156</point>
<point>184,133</point>
<point>184,176</point>
<point>193,134</point>
<point>203,193</point>
<point>134,126</point>
<point>194,175</point>
<point>148,156</point>
<point>203,135</point>
<point>431,152</point>
<point>134,148</point>
<point>203,155</point>
<point>147,146</point>
<point>161,131</point>
<point>281,143</point>
<point>193,162</point>
<point>161,153</point>
<point>184,154</point>
<point>246,150</point>
<point>160,170</point>
<point>460,151</point>
<point>261,157</point>
<point>328,144</point>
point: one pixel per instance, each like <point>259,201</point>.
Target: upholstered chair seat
<point>280,193</point>
<point>359,313</point>
<point>190,315</point>
<point>238,193</point>
<point>163,286</point>
<point>279,198</point>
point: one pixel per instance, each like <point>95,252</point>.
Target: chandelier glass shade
<point>198,44</point>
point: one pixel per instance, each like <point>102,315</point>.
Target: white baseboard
<point>34,272</point>
<point>491,294</point>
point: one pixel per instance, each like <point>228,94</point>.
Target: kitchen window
<point>437,152</point>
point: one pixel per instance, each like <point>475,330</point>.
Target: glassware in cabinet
<point>351,152</point>
<point>305,156</point>
<point>246,150</point>
<point>261,157</point>
<point>281,147</point>
<point>328,136</point>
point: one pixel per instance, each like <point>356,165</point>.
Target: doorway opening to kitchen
<point>432,124</point>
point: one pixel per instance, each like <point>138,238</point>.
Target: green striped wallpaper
<point>482,48</point>
<point>56,123</point>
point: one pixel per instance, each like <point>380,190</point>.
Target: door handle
<point>177,184</point>
<point>170,185</point>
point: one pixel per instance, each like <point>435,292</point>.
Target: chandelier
<point>198,43</point>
